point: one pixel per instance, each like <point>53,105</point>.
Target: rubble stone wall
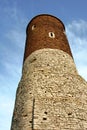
<point>51,95</point>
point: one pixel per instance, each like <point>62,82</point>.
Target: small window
<point>51,35</point>
<point>33,27</point>
<point>64,32</point>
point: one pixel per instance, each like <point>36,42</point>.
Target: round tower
<point>50,95</point>
<point>45,31</point>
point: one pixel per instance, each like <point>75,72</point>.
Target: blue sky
<point>14,17</point>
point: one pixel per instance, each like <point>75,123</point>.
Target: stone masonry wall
<point>51,95</point>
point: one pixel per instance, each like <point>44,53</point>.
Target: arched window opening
<point>33,27</point>
<point>51,34</point>
<point>64,32</point>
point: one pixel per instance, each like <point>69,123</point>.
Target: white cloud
<point>13,54</point>
<point>16,37</point>
<point>6,111</point>
<point>12,49</point>
<point>6,104</point>
<point>77,37</point>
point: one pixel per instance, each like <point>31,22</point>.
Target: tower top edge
<point>44,15</point>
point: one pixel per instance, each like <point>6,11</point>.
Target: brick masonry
<point>38,38</point>
<point>51,95</point>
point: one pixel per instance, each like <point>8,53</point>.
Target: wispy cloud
<point>12,45</point>
<point>77,36</point>
<point>13,41</point>
<point>5,111</point>
<point>16,37</point>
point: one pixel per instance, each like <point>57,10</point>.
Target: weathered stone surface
<point>51,95</point>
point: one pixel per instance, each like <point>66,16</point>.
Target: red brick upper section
<point>45,31</point>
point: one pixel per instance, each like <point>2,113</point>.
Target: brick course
<point>39,39</point>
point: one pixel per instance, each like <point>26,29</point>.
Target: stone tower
<point>51,95</point>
